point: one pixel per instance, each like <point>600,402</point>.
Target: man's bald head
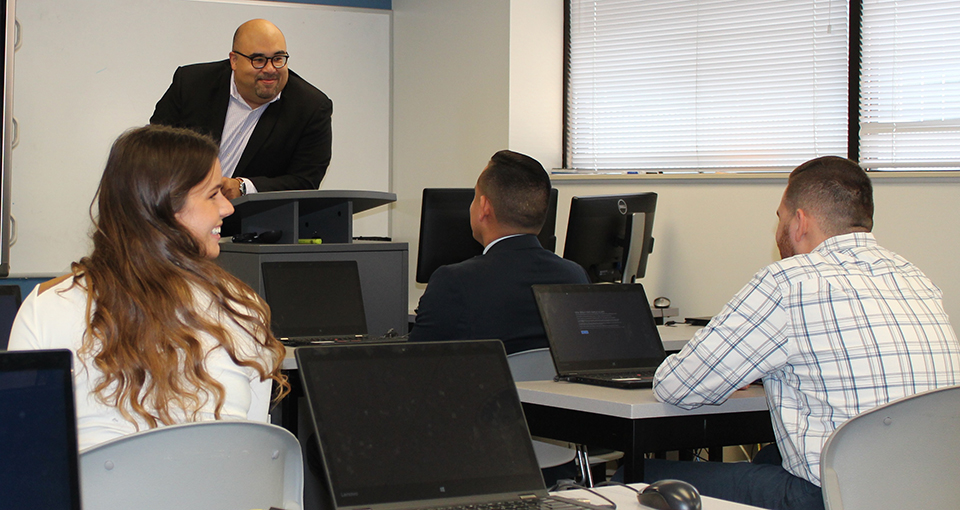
<point>253,39</point>
<point>256,28</point>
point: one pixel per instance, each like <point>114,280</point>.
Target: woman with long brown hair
<point>160,333</point>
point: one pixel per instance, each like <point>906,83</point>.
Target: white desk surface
<point>626,499</point>
<point>674,338</point>
<point>631,404</point>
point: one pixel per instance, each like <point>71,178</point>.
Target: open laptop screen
<point>599,326</point>
<point>314,298</point>
<point>418,421</point>
<point>38,431</point>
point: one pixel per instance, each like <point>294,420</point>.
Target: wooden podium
<point>326,215</point>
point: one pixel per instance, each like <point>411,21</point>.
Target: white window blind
<point>697,85</point>
<point>910,85</point>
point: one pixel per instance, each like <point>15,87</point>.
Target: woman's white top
<point>56,319</point>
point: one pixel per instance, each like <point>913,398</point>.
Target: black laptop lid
<point>314,298</point>
<point>418,424</point>
<point>38,431</point>
<point>599,327</point>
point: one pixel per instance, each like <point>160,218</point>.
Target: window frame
<point>855,29</point>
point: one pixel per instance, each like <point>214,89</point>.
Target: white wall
<point>87,71</point>
<point>536,80</point>
<point>450,102</point>
<point>711,234</point>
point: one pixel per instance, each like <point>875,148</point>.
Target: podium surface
<point>304,214</point>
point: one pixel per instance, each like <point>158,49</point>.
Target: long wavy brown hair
<point>152,293</point>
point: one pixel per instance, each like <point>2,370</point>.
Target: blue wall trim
<point>26,283</point>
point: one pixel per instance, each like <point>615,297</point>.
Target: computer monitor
<point>445,233</point>
<point>602,235</point>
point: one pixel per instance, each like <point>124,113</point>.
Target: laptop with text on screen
<point>601,334</point>
<point>422,425</point>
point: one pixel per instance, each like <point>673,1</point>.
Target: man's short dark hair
<point>519,189</point>
<point>836,191</point>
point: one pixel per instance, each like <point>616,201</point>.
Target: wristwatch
<point>243,186</point>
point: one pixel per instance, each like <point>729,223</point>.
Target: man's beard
<point>783,244</point>
<point>267,91</point>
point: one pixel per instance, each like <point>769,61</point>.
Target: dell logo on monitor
<point>622,206</point>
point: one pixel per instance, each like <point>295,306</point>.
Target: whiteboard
<point>89,70</point>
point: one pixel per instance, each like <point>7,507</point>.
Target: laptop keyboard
<point>548,503</point>
<point>613,376</point>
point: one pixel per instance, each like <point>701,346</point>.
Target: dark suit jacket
<point>489,296</point>
<point>289,148</point>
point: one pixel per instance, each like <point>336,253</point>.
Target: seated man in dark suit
<point>490,295</point>
<point>272,126</point>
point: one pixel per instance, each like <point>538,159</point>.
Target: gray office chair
<point>905,454</point>
<point>537,365</point>
<point>211,465</point>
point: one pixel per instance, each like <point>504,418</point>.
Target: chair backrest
<point>537,365</point>
<point>905,454</point>
<point>532,365</point>
<point>204,465</point>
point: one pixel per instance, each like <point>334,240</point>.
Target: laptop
<point>314,301</point>
<point>39,461</point>
<point>421,425</point>
<point>601,334</point>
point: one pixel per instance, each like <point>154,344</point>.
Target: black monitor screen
<point>445,233</point>
<point>313,298</point>
<point>596,234</point>
<point>418,421</point>
<point>38,435</point>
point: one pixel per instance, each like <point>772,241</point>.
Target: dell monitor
<point>445,233</point>
<point>611,236</point>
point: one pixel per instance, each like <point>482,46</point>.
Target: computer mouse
<point>670,495</point>
<point>661,302</point>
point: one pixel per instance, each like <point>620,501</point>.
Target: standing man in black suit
<point>272,126</point>
<point>490,295</point>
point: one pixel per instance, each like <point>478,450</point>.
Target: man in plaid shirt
<point>839,326</point>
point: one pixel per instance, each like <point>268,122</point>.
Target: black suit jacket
<point>289,148</point>
<point>489,296</point>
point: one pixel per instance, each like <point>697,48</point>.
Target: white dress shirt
<point>833,333</point>
<point>238,125</point>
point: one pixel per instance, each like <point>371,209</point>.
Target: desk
<point>626,499</point>
<point>676,336</point>
<point>673,337</point>
<point>634,422</point>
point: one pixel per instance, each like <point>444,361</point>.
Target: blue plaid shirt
<point>833,333</point>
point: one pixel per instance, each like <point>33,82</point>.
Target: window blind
<point>698,85</point>
<point>910,85</point>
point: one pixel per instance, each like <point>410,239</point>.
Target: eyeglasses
<point>260,61</point>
